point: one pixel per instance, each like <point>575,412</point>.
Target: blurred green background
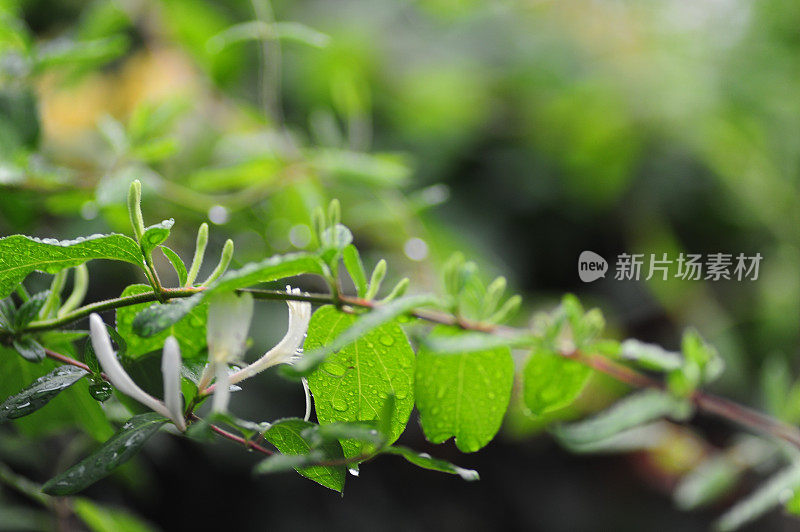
<point>521,133</point>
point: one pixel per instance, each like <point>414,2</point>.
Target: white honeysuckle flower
<point>119,378</point>
<point>289,348</point>
<point>229,318</point>
<point>171,371</point>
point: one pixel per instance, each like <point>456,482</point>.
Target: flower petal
<point>229,319</point>
<point>171,371</point>
<point>116,374</point>
<point>289,347</point>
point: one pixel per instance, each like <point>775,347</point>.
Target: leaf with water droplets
<point>158,317</point>
<point>299,452</point>
<point>20,255</point>
<point>190,330</point>
<point>40,392</point>
<point>551,382</point>
<point>426,461</point>
<point>463,395</point>
<point>155,235</point>
<point>358,327</point>
<point>355,381</point>
<point>123,446</point>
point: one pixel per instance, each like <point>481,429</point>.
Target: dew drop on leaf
<point>339,404</point>
<point>387,340</point>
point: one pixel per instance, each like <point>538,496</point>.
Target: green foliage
<point>103,519</point>
<point>360,327</point>
<point>39,392</point>
<point>463,395</point>
<point>155,235</point>
<point>627,413</point>
<point>22,254</point>
<point>298,453</point>
<point>123,446</point>
<point>426,461</point>
<point>158,317</point>
<point>189,329</point>
<point>771,494</point>
<point>551,382</point>
<point>356,378</point>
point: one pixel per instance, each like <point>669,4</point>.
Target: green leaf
<point>352,261</point>
<point>707,482</point>
<point>177,263</point>
<point>286,436</point>
<point>356,380</point>
<point>103,519</point>
<point>359,326</point>
<point>155,235</point>
<point>158,317</point>
<point>467,342</point>
<point>30,349</point>
<point>71,408</point>
<point>768,496</point>
<point>123,446</point>
<point>361,431</point>
<point>651,356</point>
<point>20,255</point>
<point>464,395</point>
<point>40,392</point>
<point>551,382</point>
<point>29,310</point>
<point>190,329</point>
<point>704,356</point>
<point>7,313</point>
<point>425,461</point>
<point>632,411</point>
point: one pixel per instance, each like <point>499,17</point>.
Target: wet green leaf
<point>158,316</point>
<point>551,382</point>
<point>123,446</point>
<point>426,461</point>
<point>463,395</point>
<point>287,436</point>
<point>40,392</point>
<point>20,255</point>
<point>358,376</point>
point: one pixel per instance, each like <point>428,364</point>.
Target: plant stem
<point>233,437</point>
<point>703,401</point>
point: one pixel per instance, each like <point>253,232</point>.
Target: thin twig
<point>233,437</point>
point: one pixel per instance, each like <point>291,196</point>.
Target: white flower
<point>229,319</point>
<point>119,378</point>
<point>286,351</point>
<point>289,348</point>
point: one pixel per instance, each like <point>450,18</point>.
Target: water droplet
<point>339,404</point>
<point>386,340</point>
<point>332,368</point>
<point>100,391</point>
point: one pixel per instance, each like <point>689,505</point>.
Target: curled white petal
<point>222,389</point>
<point>288,349</point>
<point>115,372</point>
<point>229,319</point>
<point>308,398</point>
<point>171,371</point>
